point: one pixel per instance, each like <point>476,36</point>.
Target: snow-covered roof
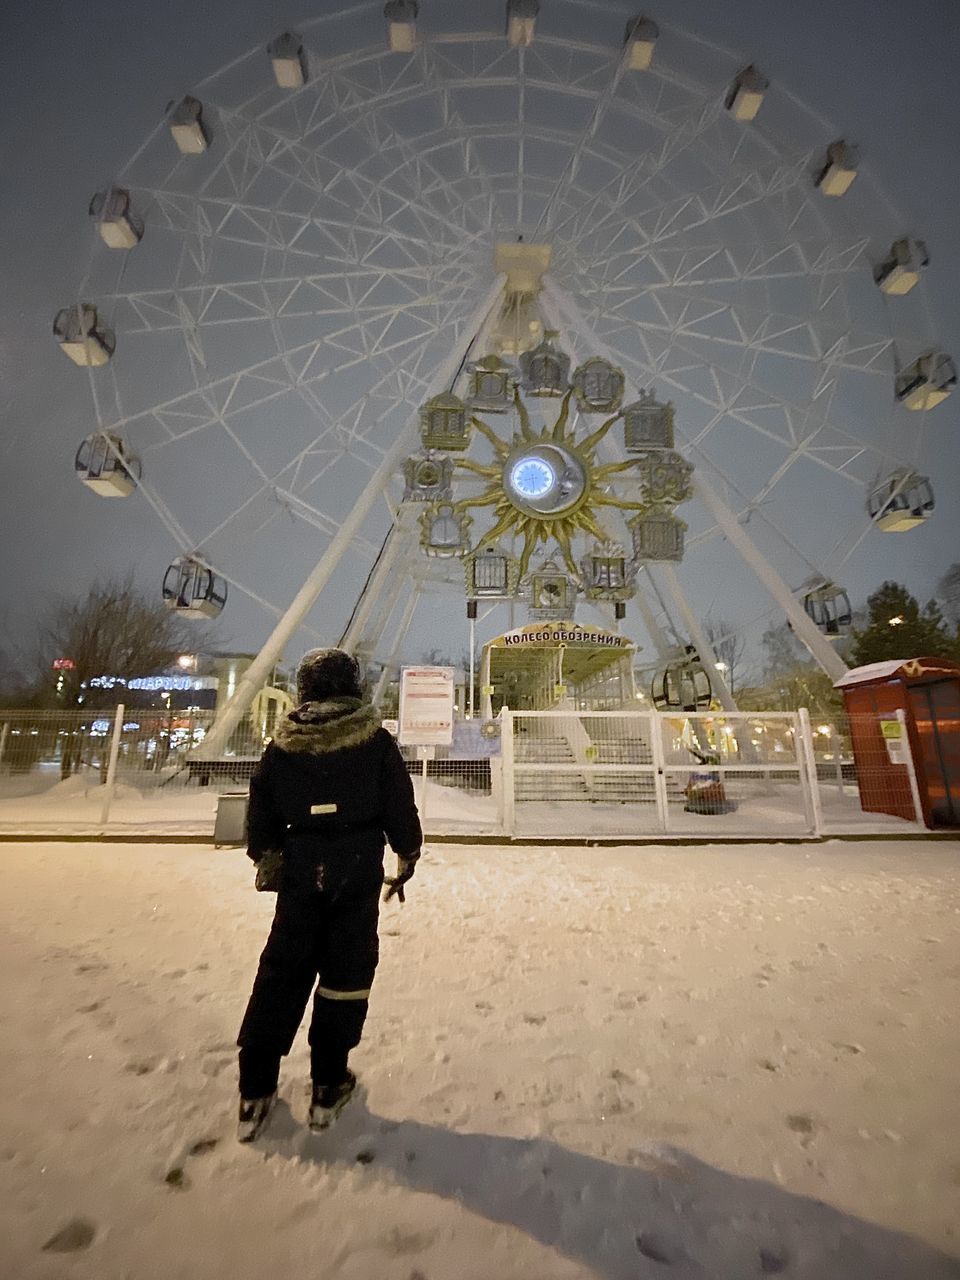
<point>897,666</point>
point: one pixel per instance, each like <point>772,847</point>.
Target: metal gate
<point>635,773</point>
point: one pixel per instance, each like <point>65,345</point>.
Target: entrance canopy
<point>540,665</point>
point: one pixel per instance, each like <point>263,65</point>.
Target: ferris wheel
<point>335,261</point>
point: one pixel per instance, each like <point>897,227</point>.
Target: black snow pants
<point>324,931</point>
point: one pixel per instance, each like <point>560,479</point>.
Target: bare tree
<point>782,651</point>
<point>729,646</point>
<point>116,629</point>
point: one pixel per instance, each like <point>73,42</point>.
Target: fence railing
<point>636,772</point>
<point>583,773</point>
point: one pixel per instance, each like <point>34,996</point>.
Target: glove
<point>405,870</point>
<point>268,871</point>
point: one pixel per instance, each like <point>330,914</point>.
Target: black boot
<point>328,1100</point>
<point>254,1113</point>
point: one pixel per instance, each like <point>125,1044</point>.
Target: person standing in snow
<point>328,790</point>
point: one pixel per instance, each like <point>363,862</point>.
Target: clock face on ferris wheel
<point>531,477</point>
<point>544,480</point>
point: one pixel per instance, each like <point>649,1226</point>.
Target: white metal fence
<point>618,773</point>
<point>547,774</point>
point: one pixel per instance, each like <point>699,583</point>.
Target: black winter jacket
<point>331,774</point>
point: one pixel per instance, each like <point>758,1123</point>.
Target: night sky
<point>82,87</point>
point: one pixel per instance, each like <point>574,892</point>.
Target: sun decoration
<point>546,486</point>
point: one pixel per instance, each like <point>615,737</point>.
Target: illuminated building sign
<point>565,634</point>
<point>156,684</point>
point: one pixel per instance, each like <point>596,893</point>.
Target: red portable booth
<point>927,690</point>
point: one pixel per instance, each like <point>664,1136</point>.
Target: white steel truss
<point>298,284</point>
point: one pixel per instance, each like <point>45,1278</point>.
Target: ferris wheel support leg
<point>806,631</point>
<point>819,647</point>
<point>255,675</point>
<point>697,635</point>
<point>353,637</point>
<point>651,625</point>
<point>392,662</point>
<point>384,614</point>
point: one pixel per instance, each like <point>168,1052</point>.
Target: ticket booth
<point>927,690</point>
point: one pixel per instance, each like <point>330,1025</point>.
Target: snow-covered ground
<point>35,804</point>
<point>686,1062</point>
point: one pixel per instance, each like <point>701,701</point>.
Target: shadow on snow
<point>666,1213</point>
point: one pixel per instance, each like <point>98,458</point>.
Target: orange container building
<point>927,691</point>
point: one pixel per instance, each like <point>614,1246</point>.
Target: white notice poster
<point>426,706</point>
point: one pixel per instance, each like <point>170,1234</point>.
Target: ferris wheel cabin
<point>640,39</point>
<point>927,382</point>
<point>901,502</point>
<point>682,685</point>
<point>286,57</point>
<point>103,465</point>
<point>522,21</point>
<point>828,606</point>
<point>746,94</point>
<point>401,16</point>
<point>81,336</point>
<point>192,589</point>
<point>837,175</point>
<point>118,227</point>
<point>185,120</point>
<point>900,271</point>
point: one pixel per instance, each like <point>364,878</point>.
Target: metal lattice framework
<point>301,283</point>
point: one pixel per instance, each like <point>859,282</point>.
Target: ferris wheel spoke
<point>732,264</point>
<point>303,236</point>
<point>699,316</point>
<point>343,119</point>
<point>640,174</point>
<point>199,307</point>
<point>431,74</point>
<point>835,457</point>
<point>661,222</point>
<point>302,168</point>
<point>569,171</point>
<point>360,411</point>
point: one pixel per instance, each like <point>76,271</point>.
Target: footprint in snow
<point>655,1248</point>
<point>400,1242</point>
<point>217,1058</point>
<point>201,1147</point>
<point>142,1067</point>
<point>176,1176</point>
<point>772,1262</point>
<point>800,1124</point>
<point>76,1235</point>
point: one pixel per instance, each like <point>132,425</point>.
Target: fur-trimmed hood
<point>333,725</point>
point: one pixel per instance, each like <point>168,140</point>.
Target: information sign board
<point>892,731</point>
<point>426,706</point>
